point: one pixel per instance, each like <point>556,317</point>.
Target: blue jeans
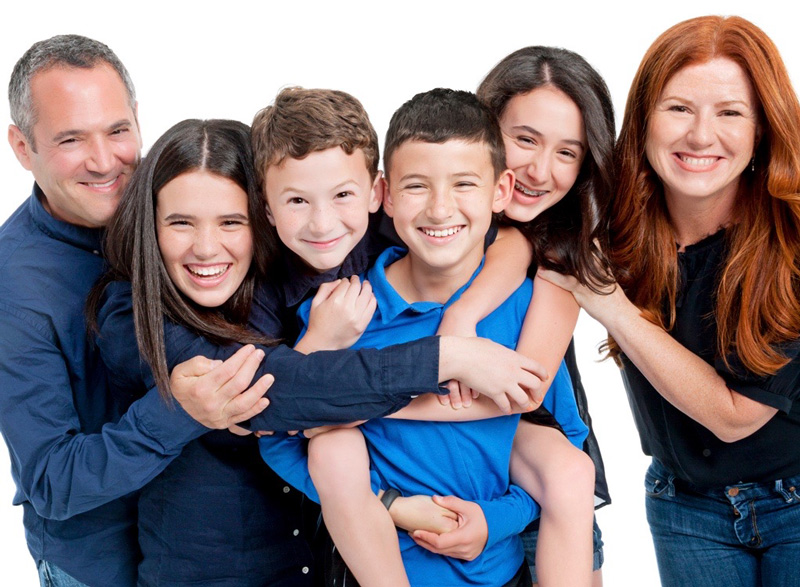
<point>531,535</point>
<point>51,576</point>
<point>745,534</point>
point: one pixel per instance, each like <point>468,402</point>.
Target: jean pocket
<point>654,485</point>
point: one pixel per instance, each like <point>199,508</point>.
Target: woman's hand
<point>600,306</point>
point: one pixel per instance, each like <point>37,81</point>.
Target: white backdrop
<point>198,60</point>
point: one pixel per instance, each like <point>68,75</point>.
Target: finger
<point>454,395</point>
<point>443,399</point>
<point>430,538</point>
<point>466,395</point>
<point>196,367</point>
<point>255,410</point>
<point>224,371</point>
<point>324,292</point>
<point>353,290</point>
<point>533,367</point>
<point>250,403</point>
<point>450,502</point>
<point>240,380</point>
<point>426,545</point>
<point>239,431</point>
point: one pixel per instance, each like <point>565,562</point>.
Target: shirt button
<point>295,532</point>
<point>706,452</point>
<point>286,489</point>
<point>733,491</point>
<point>305,570</point>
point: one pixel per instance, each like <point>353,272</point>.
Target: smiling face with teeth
<point>204,236</point>
<point>441,197</point>
<point>545,145</point>
<point>702,134</point>
<point>85,142</point>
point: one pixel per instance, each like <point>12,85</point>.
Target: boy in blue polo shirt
<point>445,177</point>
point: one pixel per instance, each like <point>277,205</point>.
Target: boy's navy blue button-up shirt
<point>74,456</point>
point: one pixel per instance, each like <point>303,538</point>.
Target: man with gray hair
<point>76,458</point>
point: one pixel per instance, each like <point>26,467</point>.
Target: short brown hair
<point>441,115</point>
<point>302,121</point>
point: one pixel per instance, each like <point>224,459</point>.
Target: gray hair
<point>61,50</point>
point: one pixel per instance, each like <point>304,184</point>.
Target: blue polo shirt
<point>466,459</point>
<point>75,458</point>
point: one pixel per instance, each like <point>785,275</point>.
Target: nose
<point>321,221</point>
<point>100,159</point>
<point>701,131</point>
<point>538,169</point>
<point>206,243</point>
<point>441,205</point>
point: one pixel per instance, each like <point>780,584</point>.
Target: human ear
<point>376,193</point>
<point>270,217</point>
<point>504,190</point>
<point>386,196</point>
<point>20,146</point>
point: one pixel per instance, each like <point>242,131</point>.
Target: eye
<point>567,153</point>
<point>678,108</point>
<point>69,141</point>
<point>730,113</point>
<point>344,194</point>
<point>178,223</point>
<point>526,140</point>
<point>414,187</point>
<point>466,184</point>
<point>296,201</point>
<point>119,131</point>
<point>233,223</point>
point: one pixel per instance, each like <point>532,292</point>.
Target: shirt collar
<point>299,281</point>
<point>390,303</point>
<point>83,237</point>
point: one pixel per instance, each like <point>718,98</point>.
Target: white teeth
<point>102,185</point>
<point>527,192</point>
<point>208,271</point>
<point>440,233</point>
<point>697,161</point>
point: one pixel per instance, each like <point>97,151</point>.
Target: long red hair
<point>758,296</point>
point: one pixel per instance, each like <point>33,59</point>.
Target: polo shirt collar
<point>82,237</point>
<point>390,303</point>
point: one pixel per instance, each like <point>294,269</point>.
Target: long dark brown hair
<point>221,147</point>
<point>758,296</point>
<point>569,237</point>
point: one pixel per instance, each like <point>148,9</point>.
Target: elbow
<point>730,432</point>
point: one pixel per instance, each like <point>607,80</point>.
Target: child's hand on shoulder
<point>340,312</point>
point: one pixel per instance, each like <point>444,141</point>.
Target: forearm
<point>547,330</point>
<point>428,408</point>
<point>684,379</point>
<point>508,515</point>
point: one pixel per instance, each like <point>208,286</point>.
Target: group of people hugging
<point>261,356</point>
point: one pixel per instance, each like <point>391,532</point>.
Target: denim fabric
<point>531,535</point>
<point>744,534</point>
<point>51,576</point>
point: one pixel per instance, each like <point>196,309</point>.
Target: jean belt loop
<point>671,485</point>
<point>787,494</point>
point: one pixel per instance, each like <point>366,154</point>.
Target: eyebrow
<point>742,102</point>
<point>66,134</point>
<point>338,186</point>
<point>179,216</point>
<point>536,133</point>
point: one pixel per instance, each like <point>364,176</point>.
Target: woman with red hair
<point>705,234</point>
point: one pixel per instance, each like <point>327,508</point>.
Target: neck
<point>416,281</point>
<point>694,219</point>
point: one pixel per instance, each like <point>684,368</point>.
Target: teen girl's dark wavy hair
<point>569,237</point>
<point>221,147</point>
